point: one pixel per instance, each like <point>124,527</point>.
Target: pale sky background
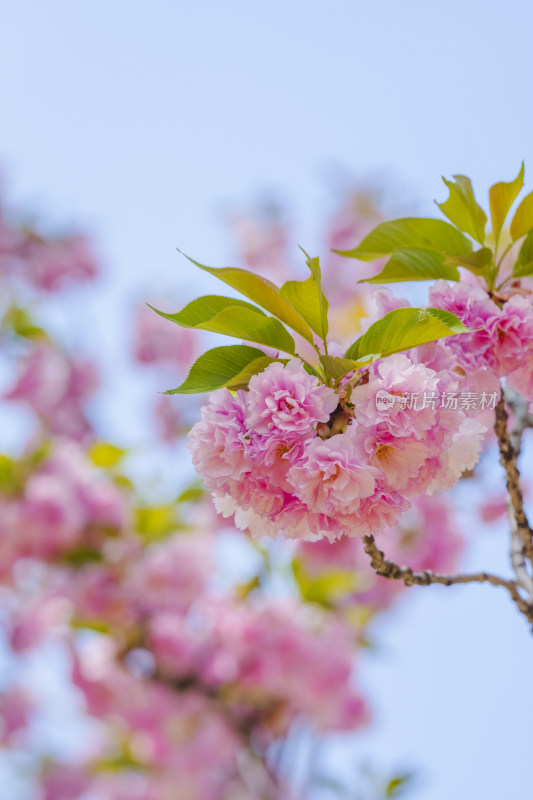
<point>141,120</point>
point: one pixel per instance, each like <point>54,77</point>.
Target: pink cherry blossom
<point>56,389</point>
<point>332,479</point>
<point>286,399</point>
<point>158,342</point>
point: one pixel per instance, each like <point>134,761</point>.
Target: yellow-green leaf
<point>524,263</point>
<point>308,299</point>
<point>233,318</point>
<point>199,311</point>
<point>501,197</point>
<point>402,329</point>
<point>415,264</point>
<point>522,221</point>
<point>477,262</point>
<point>218,367</point>
<point>410,232</point>
<point>261,291</point>
<point>106,455</point>
<point>463,210</point>
<point>337,368</point>
<point>242,380</point>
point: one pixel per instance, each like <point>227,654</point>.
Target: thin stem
<point>497,264</point>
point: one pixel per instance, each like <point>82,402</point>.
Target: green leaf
<point>337,368</point>
<point>22,323</point>
<point>415,264</point>
<point>199,311</point>
<point>84,623</point>
<point>10,480</point>
<point>194,492</point>
<point>397,785</point>
<point>402,329</point>
<point>325,588</point>
<point>242,380</point>
<point>522,221</point>
<point>462,209</point>
<point>501,197</point>
<point>154,523</point>
<point>261,291</point>
<point>217,367</point>
<point>523,270</point>
<point>308,299</point>
<point>524,263</point>
<point>409,232</point>
<point>477,262</point>
<point>526,251</point>
<point>234,318</point>
<point>81,556</point>
<point>106,455</point>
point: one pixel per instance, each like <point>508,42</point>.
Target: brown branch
<point>388,569</point>
<point>508,459</point>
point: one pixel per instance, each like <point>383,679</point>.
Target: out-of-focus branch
<point>388,569</point>
<point>508,458</point>
<point>522,417</point>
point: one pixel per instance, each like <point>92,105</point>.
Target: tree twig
<point>388,569</point>
<point>508,459</point>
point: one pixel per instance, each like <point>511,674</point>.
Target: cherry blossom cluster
<point>46,263</point>
<point>55,387</point>
<point>502,342</point>
<point>62,504</point>
<point>295,457</point>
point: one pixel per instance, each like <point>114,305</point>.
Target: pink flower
<point>15,708</point>
<point>219,443</point>
<point>168,419</point>
<point>333,480</point>
<point>157,341</point>
<point>56,388</point>
<point>521,379</point>
<point>475,309</point>
<point>171,574</point>
<point>401,378</point>
<point>399,459</point>
<point>286,399</point>
<point>55,264</point>
<point>512,333</point>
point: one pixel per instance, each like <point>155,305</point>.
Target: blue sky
<point>142,120</point>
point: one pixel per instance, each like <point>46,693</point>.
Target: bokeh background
<point>146,123</point>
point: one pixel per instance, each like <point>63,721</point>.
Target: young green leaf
<point>524,263</point>
<point>415,264</point>
<point>501,197</point>
<point>203,309</point>
<point>243,321</point>
<point>522,221</point>
<point>337,367</point>
<point>217,367</point>
<point>462,209</point>
<point>308,299</point>
<point>409,232</point>
<point>523,270</point>
<point>256,366</point>
<point>477,262</point>
<point>261,291</point>
<point>402,329</point>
